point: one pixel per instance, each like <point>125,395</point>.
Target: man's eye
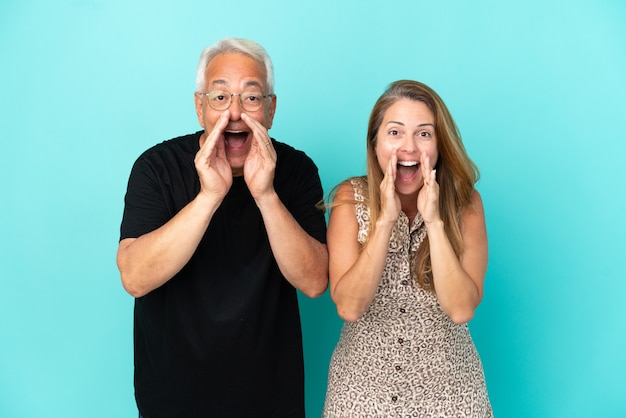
<point>253,98</point>
<point>220,98</point>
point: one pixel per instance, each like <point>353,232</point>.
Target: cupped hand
<point>260,164</point>
<point>213,168</point>
<point>389,199</point>
<point>428,196</point>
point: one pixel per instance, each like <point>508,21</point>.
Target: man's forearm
<point>301,258</point>
<point>149,261</point>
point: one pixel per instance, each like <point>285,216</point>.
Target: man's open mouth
<point>235,139</point>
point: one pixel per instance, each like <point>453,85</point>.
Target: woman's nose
<point>409,146</point>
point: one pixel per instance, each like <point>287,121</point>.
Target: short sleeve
<point>300,188</point>
<point>144,206</point>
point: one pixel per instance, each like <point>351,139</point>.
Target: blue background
<point>537,89</point>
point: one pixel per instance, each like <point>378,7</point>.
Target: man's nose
<point>235,107</point>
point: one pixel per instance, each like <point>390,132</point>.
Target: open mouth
<point>407,169</point>
<point>235,139</point>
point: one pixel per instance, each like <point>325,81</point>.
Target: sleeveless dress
<point>404,357</point>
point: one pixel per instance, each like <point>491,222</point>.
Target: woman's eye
<point>393,132</point>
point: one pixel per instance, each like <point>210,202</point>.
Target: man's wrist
<point>267,200</point>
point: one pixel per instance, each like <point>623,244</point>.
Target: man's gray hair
<point>235,45</point>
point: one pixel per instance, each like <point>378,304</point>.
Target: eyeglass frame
<point>264,96</point>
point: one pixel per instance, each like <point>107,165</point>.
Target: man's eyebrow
<point>253,83</point>
<point>221,82</point>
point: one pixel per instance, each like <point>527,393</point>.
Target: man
<point>220,228</point>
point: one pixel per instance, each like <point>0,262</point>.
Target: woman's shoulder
<point>474,210</point>
<point>350,189</point>
<point>475,201</point>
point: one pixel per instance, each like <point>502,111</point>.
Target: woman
<point>408,256</point>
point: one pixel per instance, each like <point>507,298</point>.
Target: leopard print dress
<point>404,357</point>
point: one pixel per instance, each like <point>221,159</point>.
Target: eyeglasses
<point>249,101</point>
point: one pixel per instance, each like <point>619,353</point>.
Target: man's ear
<point>271,110</point>
<point>197,98</point>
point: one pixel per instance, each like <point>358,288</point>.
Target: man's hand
<point>258,169</point>
<point>213,168</point>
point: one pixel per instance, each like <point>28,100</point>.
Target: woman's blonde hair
<point>456,173</point>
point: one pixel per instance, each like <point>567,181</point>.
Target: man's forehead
<point>228,68</point>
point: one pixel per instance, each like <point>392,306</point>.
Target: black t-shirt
<point>222,338</point>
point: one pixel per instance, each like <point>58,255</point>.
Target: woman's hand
<point>428,196</point>
<point>389,199</point>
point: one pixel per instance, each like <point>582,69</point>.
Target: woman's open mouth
<point>407,170</point>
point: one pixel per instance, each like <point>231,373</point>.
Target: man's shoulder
<point>287,154</point>
<point>181,145</point>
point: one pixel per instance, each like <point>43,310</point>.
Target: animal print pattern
<point>404,357</point>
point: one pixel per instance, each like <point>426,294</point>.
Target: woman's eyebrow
<point>421,125</point>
